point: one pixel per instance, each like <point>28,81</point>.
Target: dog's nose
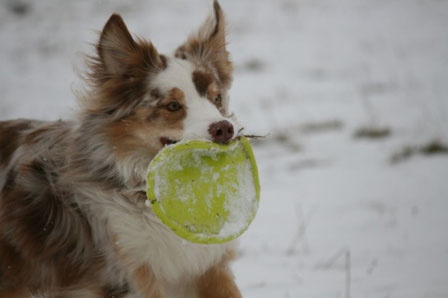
<point>221,131</point>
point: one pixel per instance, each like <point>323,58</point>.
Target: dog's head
<point>149,100</point>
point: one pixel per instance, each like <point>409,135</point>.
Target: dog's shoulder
<point>12,133</point>
<point>34,136</point>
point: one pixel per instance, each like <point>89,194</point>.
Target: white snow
<point>336,218</point>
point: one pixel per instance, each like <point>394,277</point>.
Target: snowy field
<point>354,97</point>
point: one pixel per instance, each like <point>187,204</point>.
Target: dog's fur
<point>73,218</point>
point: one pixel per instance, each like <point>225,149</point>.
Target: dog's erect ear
<point>116,46</point>
<point>207,47</point>
<point>119,54</point>
<point>119,72</point>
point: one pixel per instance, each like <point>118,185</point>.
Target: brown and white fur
<point>73,219</point>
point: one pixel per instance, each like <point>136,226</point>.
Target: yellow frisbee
<point>205,192</point>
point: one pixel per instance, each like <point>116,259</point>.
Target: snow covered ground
<point>337,217</point>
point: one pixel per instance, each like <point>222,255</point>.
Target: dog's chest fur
<point>142,239</point>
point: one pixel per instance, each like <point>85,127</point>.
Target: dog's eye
<point>173,106</point>
<point>218,99</point>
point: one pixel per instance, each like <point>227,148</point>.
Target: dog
<point>73,218</point>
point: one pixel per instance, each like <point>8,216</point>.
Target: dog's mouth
<point>166,141</point>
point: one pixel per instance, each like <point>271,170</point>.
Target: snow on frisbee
<point>203,191</point>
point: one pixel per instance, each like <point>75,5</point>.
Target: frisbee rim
<point>205,145</point>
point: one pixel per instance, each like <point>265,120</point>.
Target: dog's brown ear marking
<point>120,54</point>
<point>115,45</point>
<point>218,13</point>
<point>207,47</point>
<point>118,73</point>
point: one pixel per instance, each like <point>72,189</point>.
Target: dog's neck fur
<point>92,159</point>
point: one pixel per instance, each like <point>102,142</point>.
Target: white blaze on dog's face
<point>202,70</point>
<point>204,102</point>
